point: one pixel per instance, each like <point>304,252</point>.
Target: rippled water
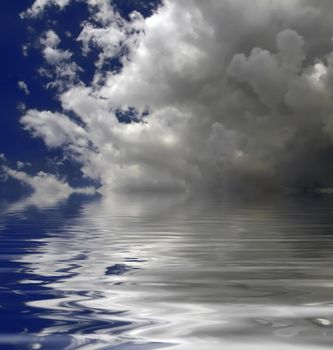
<point>151,272</point>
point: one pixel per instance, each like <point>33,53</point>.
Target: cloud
<point>228,95</point>
<point>39,6</point>
<point>269,74</point>
<point>109,40</point>
<point>51,53</point>
<point>21,165</point>
<point>24,87</point>
<point>62,72</point>
<point>55,129</point>
<point>48,189</point>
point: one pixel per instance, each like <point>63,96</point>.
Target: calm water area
<point>167,272</point>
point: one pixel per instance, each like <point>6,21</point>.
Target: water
<point>155,272</point>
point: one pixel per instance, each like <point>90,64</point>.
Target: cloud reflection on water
<point>189,274</point>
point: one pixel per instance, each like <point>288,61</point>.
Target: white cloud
<point>48,189</point>
<point>24,87</point>
<point>108,39</point>
<point>62,71</point>
<point>238,92</point>
<point>25,49</point>
<point>20,164</point>
<point>39,6</point>
<point>51,53</point>
<point>55,128</point>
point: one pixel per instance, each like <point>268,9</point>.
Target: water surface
<point>164,272</point>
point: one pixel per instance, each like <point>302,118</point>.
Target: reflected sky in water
<point>152,272</point>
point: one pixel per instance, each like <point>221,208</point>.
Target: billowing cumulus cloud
<point>221,94</point>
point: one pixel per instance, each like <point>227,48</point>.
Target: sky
<point>179,95</point>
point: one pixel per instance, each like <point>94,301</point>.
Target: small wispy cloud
<point>39,6</point>
<point>24,87</point>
